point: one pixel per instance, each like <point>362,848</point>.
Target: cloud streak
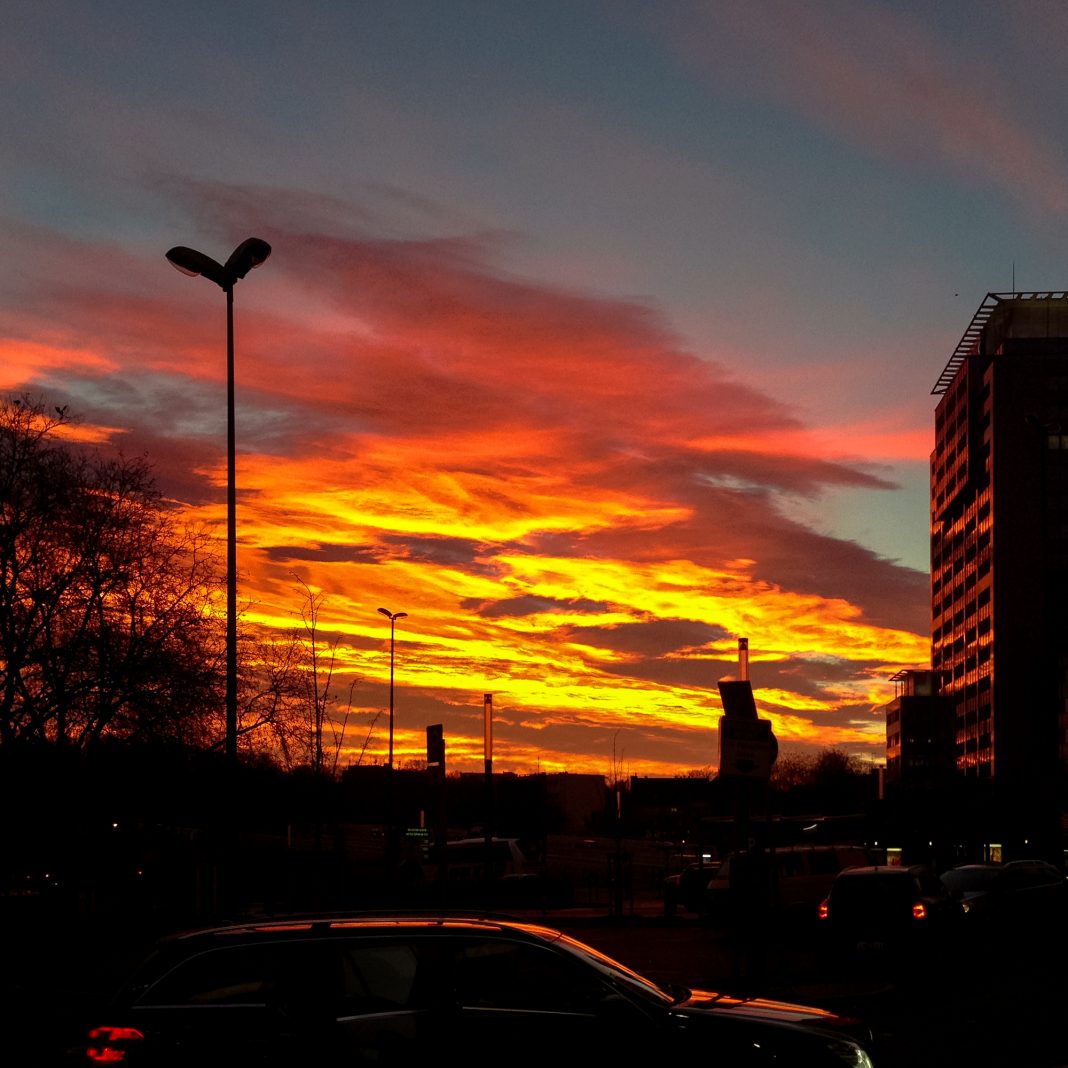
<point>883,81</point>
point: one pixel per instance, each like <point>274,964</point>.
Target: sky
<point>596,335</point>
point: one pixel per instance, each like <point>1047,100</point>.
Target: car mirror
<point>617,1009</point>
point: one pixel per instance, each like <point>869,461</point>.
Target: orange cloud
<point>22,360</point>
<point>577,514</point>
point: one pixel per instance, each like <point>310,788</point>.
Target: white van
<point>465,860</point>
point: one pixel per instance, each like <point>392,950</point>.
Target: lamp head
<point>252,252</point>
<point>191,262</point>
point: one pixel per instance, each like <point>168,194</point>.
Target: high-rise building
<point>999,541</point>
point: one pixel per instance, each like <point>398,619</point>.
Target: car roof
<point>810,847</point>
<point>171,948</point>
<point>883,870</point>
<point>1038,865</point>
<point>355,923</point>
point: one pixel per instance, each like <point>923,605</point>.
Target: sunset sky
<point>596,335</point>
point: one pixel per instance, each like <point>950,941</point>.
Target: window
<point>493,974</point>
<point>376,978</point>
<point>243,975</point>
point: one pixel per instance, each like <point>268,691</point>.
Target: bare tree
<point>270,695</point>
<point>319,674</point>
<point>106,627</point>
<point>706,772</point>
<point>619,777</point>
<point>791,770</point>
<point>367,738</point>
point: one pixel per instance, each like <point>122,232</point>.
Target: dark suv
<point>1018,899</point>
<point>390,989</point>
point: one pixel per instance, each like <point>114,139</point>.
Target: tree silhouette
<point>106,621</point>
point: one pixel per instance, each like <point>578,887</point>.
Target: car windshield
<point>873,889</point>
<point>620,975</point>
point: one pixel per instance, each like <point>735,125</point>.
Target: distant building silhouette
<point>999,542</point>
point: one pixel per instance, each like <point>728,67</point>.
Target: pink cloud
<point>883,81</point>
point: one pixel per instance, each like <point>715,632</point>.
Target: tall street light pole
<point>250,253</point>
<point>392,617</point>
<point>487,716</point>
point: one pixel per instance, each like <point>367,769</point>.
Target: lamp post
<point>487,718</point>
<point>390,840</point>
<point>250,253</point>
<point>392,617</point>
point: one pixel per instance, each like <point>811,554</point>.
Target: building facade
<point>999,541</point>
<point>920,733</point>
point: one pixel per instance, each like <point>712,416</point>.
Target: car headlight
<point>851,1054</point>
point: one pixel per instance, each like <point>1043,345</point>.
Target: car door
<point>520,1000</point>
<point>389,991</point>
<point>257,1004</point>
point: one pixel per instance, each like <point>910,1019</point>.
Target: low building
<point>920,734</point>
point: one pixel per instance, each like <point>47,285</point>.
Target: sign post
<point>747,749</point>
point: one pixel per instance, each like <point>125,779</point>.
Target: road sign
<point>747,748</point>
<point>736,696</point>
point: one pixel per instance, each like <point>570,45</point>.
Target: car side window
<point>241,975</point>
<point>1026,877</point>
<point>790,865</point>
<point>377,978</point>
<point>494,974</point>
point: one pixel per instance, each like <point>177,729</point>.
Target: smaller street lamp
<point>392,617</point>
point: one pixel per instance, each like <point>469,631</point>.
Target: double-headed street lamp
<point>392,617</point>
<point>250,253</point>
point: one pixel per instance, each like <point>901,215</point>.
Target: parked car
<point>408,989</point>
<point>686,889</point>
<point>878,908</point>
<point>792,880</point>
<point>1012,897</point>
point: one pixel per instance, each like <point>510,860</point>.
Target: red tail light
<point>109,1045</point>
<point>824,910</point>
<point>919,911</point>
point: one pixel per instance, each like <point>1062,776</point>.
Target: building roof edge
<point>969,342</point>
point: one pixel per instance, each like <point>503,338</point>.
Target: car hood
<point>707,1001</point>
<point>703,1009</point>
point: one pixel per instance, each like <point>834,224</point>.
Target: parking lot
<point>985,1004</point>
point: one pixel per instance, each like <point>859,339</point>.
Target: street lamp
<point>250,253</point>
<point>392,617</point>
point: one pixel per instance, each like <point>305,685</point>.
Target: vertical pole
<point>391,855</point>
<point>231,539</point>
<point>392,624</point>
<point>487,711</point>
<point>617,883</point>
